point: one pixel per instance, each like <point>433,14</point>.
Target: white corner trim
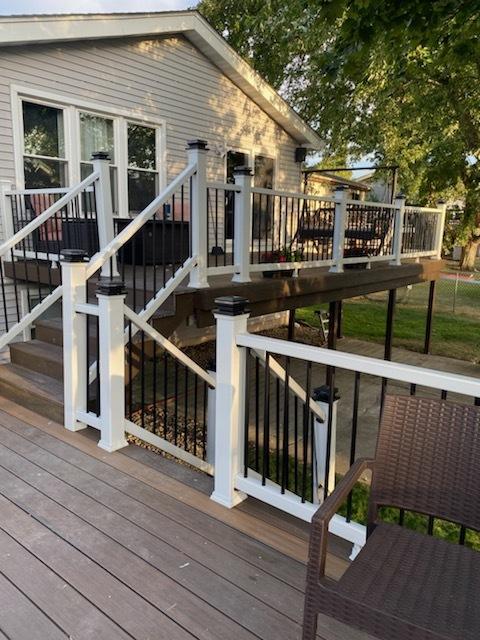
<point>16,30</point>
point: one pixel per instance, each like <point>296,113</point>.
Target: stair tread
<point>32,382</point>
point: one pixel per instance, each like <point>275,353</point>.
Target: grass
<point>416,521</point>
<point>360,497</point>
<point>454,336</point>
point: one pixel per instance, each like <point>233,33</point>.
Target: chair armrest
<point>334,501</point>
<point>317,553</point>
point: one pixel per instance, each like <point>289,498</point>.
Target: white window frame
<point>71,108</point>
<point>251,154</point>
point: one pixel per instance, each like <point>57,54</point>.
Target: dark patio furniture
<point>406,585</point>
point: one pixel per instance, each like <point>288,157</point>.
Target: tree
<point>398,80</point>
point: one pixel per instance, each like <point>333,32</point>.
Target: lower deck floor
<point>129,545</point>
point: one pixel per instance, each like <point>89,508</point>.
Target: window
<point>264,172</point>
<point>55,140</point>
<point>44,161</point>
<point>142,166</point>
<point>262,213</point>
<point>234,159</point>
<point>96,134</point>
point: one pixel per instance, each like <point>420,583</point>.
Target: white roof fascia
<point>25,30</point>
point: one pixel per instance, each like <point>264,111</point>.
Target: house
<point>138,86</point>
<point>324,183</point>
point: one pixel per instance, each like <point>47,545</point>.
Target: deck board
<point>119,549</point>
<point>20,618</point>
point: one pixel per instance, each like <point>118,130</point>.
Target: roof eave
<point>17,30</point>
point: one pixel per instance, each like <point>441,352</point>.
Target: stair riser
<point>46,366</point>
<point>47,407</point>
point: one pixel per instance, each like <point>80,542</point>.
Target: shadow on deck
<point>128,545</point>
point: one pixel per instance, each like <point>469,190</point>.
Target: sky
<point>8,7</point>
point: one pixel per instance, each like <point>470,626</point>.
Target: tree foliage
<point>398,80</point>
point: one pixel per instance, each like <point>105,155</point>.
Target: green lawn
<point>454,336</point>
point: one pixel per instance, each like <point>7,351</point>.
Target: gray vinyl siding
<point>164,78</point>
<point>160,79</point>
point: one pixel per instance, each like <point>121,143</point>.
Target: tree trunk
<point>469,254</point>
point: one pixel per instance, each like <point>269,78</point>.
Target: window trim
<point>71,109</point>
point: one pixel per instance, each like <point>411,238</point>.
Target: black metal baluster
<point>286,423</point>
<point>246,426</point>
<point>266,421</point>
<point>185,410</point>
<point>353,440</point>
<point>257,412</point>
<point>306,424</point>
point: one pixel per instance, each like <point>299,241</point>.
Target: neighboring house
<point>380,189</point>
<point>138,86</point>
<point>324,184</point>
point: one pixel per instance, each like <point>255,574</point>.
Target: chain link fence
<point>457,293</point>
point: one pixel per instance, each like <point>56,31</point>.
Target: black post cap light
<point>322,394</point>
<point>197,144</point>
<point>231,305</point>
<point>100,155</point>
<point>111,286</point>
<point>73,255</point>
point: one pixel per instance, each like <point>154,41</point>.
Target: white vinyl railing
<point>243,456</point>
<point>30,247</point>
<point>254,230</point>
<point>119,319</point>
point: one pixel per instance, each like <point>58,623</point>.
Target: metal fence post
<point>231,316</point>
<point>197,153</point>
<point>111,297</point>
<point>340,221</point>
<point>6,214</point>
<point>242,224</point>
<point>103,201</point>
<point>439,229</point>
<point>75,370</point>
<point>398,233</point>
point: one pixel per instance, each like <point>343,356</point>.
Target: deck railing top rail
<point>43,217</point>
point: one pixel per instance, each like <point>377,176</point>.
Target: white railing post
<point>197,154</point>
<point>339,228</point>
<point>111,297</point>
<point>398,232</point>
<point>231,316</point>
<point>6,214</point>
<point>103,201</point>
<point>323,449</point>
<point>242,224</point>
<point>75,371</point>
<point>440,229</point>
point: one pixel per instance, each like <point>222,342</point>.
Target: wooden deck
<point>128,545</point>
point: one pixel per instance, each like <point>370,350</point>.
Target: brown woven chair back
<point>428,459</point>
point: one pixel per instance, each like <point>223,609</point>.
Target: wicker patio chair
<point>406,585</point>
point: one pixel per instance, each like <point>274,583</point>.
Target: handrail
<point>412,209</point>
<point>226,186</point>
<point>33,192</point>
<point>100,258</point>
<point>48,213</point>
<point>371,203</point>
<point>424,377</point>
<point>288,194</point>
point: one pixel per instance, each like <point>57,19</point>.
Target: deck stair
<point>33,377</point>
